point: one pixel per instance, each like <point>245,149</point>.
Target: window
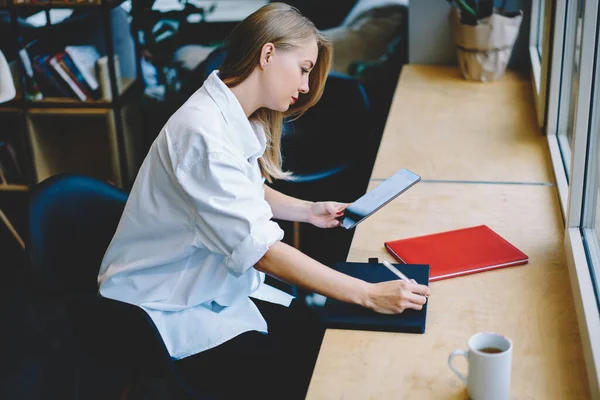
<point>591,202</point>
<point>540,28</point>
<point>573,131</point>
<point>539,39</point>
<point>569,81</point>
<point>590,221</point>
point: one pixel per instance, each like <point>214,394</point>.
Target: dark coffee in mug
<point>489,360</point>
<point>490,350</point>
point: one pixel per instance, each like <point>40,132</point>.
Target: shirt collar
<point>250,135</point>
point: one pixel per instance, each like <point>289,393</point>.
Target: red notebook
<point>456,253</point>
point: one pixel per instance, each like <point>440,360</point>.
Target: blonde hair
<point>285,27</point>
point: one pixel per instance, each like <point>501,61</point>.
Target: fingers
<point>419,289</point>
<point>334,208</point>
<point>414,296</point>
<point>326,222</point>
<point>413,306</point>
<point>396,296</point>
<point>406,305</point>
<point>412,300</point>
<point>417,299</point>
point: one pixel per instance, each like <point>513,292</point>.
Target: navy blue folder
<point>337,314</point>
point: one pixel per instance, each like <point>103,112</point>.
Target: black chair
<point>72,220</point>
<point>329,140</point>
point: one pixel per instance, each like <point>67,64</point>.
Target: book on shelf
<point>103,71</point>
<point>51,83</point>
<point>57,2</point>
<point>85,58</point>
<point>75,74</point>
<point>31,86</point>
<point>60,67</point>
<point>67,73</point>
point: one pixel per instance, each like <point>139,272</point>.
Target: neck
<point>248,94</point>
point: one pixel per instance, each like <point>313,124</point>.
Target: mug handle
<point>455,353</point>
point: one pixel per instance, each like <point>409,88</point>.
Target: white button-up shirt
<point>195,224</point>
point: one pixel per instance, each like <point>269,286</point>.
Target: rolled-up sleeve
<point>232,217</point>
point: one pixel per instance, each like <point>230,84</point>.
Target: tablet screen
<point>372,201</point>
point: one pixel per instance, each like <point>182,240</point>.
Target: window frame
<point>578,234</point>
<point>540,65</point>
<point>556,87</point>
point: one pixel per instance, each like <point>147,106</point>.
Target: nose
<point>304,86</point>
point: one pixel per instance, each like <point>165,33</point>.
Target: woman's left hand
<point>324,214</point>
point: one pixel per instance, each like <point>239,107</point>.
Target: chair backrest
<point>72,220</point>
<point>335,132</point>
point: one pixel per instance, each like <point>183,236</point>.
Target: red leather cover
<point>459,252</point>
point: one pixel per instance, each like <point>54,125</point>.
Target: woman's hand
<point>324,214</point>
<point>393,297</point>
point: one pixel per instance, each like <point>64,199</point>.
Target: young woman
<point>196,237</point>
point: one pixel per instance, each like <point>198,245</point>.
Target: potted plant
<point>484,37</point>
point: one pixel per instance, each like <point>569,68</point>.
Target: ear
<point>266,54</point>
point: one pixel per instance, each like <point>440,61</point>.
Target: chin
<point>279,107</point>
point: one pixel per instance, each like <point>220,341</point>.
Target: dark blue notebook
<point>337,314</point>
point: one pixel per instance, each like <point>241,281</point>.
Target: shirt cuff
<point>254,246</point>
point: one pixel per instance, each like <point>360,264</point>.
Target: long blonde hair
<point>285,27</point>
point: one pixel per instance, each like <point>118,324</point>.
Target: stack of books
<point>58,2</point>
<point>70,73</point>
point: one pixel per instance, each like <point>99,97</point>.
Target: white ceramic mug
<point>490,358</point>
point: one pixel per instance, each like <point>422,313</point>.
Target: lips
<point>294,100</point>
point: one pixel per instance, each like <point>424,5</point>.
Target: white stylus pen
<point>398,273</point>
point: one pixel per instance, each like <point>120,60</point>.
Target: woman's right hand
<point>393,297</point>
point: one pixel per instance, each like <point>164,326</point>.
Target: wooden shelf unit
<point>82,141</point>
<point>99,138</point>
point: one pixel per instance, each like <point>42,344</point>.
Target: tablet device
<point>373,200</point>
